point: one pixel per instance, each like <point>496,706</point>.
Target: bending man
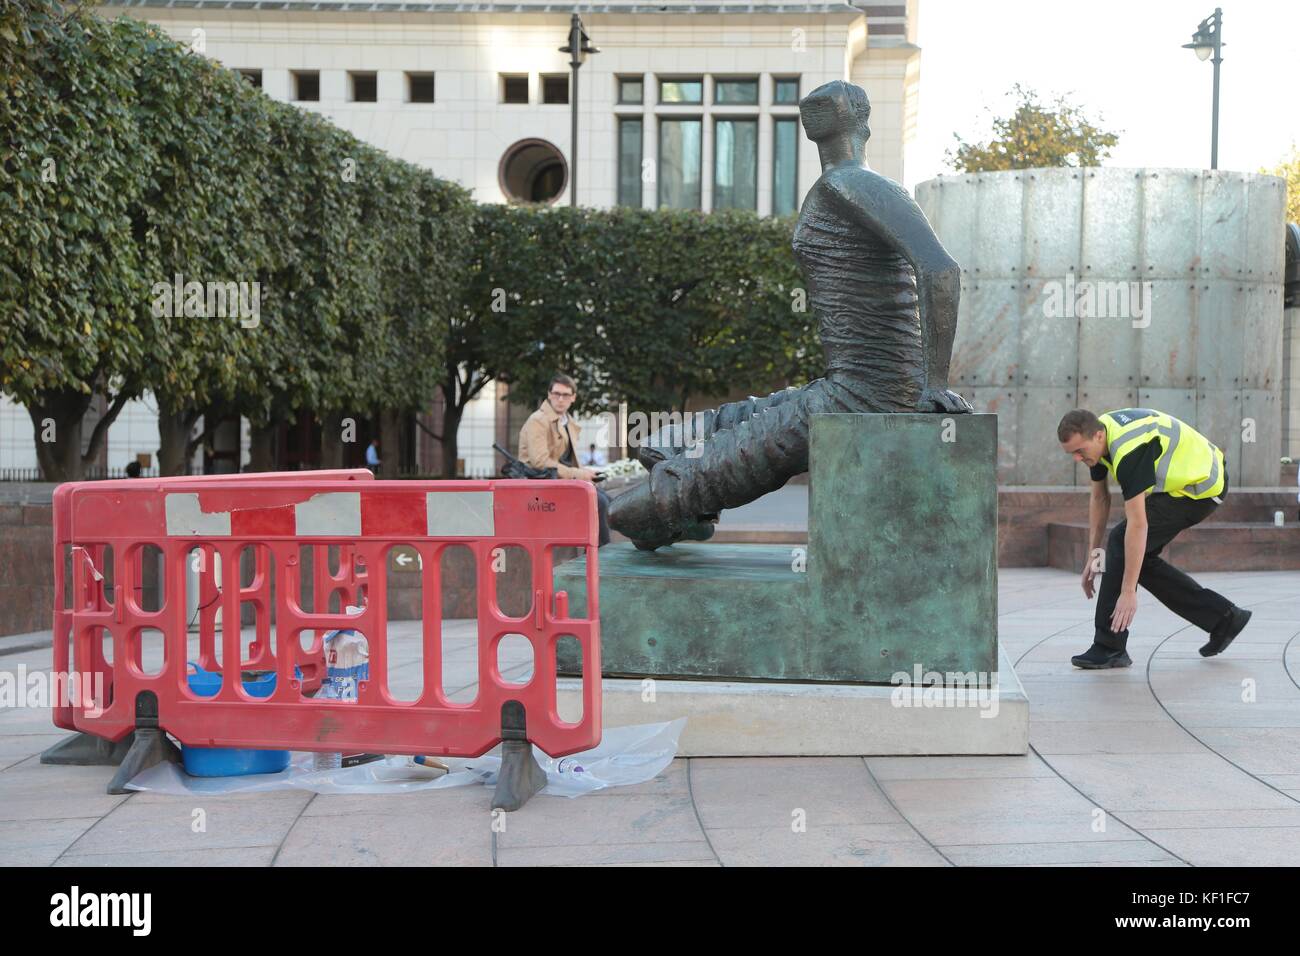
<point>1172,478</point>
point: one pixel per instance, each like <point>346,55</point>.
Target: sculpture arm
<point>885,208</point>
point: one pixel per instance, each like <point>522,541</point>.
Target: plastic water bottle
<point>332,761</point>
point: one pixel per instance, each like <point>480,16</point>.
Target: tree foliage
<point>1289,169</point>
<point>133,160</point>
<point>648,307</point>
<point>1035,135</point>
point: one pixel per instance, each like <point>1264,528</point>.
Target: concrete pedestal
<point>785,719</point>
<point>900,571</point>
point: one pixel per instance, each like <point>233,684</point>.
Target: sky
<point>1123,62</point>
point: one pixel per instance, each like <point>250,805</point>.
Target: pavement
<point>1176,761</point>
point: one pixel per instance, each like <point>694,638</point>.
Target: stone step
<point>1212,546</point>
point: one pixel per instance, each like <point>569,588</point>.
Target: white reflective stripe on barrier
<point>466,513</point>
<point>333,514</point>
<point>185,517</point>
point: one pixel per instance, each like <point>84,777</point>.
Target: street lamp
<point>578,47</point>
<point>1208,39</point>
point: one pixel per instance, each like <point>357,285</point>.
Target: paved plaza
<point>1177,761</point>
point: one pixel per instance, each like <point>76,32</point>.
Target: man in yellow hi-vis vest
<point>1172,477</point>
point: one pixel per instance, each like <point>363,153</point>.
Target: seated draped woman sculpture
<point>885,293</point>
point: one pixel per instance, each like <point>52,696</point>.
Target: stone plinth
<point>900,570</point>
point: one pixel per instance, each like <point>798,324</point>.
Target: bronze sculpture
<point>885,293</point>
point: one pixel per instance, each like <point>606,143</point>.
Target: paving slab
<point>39,842</point>
<point>852,845</point>
<point>1159,765</point>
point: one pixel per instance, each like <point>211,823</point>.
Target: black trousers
<point>1166,517</point>
<point>602,512</point>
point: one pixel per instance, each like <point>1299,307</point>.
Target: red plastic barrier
<point>278,517</point>
<point>312,664</point>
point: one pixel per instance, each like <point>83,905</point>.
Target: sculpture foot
<point>699,530</point>
<point>634,515</point>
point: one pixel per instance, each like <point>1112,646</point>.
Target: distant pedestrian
<point>133,469</point>
<point>594,458</point>
<point>372,456</point>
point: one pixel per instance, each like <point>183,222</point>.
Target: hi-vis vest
<point>1189,464</point>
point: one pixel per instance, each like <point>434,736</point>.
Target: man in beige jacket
<point>549,439</point>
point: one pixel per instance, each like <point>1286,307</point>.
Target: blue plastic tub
<point>231,761</point>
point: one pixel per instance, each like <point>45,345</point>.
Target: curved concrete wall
<point>1108,288</point>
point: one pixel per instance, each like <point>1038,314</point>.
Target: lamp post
<point>1208,39</point>
<point>578,47</point>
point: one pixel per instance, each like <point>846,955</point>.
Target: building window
<point>785,90</point>
<point>514,89</point>
<point>680,155</point>
<point>630,132</point>
<point>533,170</point>
<point>735,164</point>
<point>555,88</point>
<point>419,87</point>
<point>306,86</point>
<point>736,92</point>
<point>631,91</point>
<point>254,77</point>
<point>785,166</point>
<point>365,87</point>
<point>681,91</point>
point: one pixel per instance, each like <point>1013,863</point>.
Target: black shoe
<point>1098,657</point>
<point>1225,631</point>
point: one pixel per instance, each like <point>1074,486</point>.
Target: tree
<point>130,160</point>
<point>1035,135</point>
<point>72,318</point>
<point>650,307</point>
<point>1289,169</point>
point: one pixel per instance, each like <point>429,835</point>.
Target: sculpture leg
<point>700,426</point>
<point>735,466</point>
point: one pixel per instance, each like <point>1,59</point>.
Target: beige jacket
<point>542,443</point>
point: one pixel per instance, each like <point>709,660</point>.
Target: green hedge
<point>649,307</point>
<point>129,159</point>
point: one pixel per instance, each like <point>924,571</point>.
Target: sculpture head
<point>836,110</point>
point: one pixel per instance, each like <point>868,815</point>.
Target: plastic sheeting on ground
<point>625,756</point>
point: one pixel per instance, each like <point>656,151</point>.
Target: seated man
<point>548,440</point>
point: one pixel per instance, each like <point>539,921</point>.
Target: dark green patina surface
<point>901,570</point>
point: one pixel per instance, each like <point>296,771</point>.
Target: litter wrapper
<point>347,661</point>
<point>625,756</point>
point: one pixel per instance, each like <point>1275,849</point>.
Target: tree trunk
<point>331,440</point>
<point>174,439</point>
<point>56,423</point>
<point>451,415</point>
<point>390,443</point>
<point>262,447</point>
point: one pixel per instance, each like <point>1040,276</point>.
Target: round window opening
<point>533,170</point>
